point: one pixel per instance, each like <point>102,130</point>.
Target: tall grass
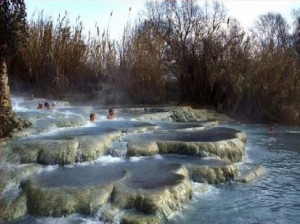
<point>209,56</point>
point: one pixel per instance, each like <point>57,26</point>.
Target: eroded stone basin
<point>161,172</point>
<point>60,149</point>
<point>173,125</point>
<point>196,161</point>
<point>83,189</point>
<point>80,176</point>
<point>104,127</point>
<point>225,143</point>
<point>147,185</point>
<point>153,173</point>
<point>186,125</point>
<point>70,145</point>
<point>47,120</point>
<point>207,135</point>
<point>208,169</point>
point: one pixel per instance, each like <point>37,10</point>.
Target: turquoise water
<point>271,198</point>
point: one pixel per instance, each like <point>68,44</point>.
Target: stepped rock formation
<point>149,181</point>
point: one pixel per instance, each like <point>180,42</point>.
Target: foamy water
<point>103,160</point>
<point>271,198</point>
<point>201,190</point>
<point>73,218</point>
<point>136,159</point>
<point>47,169</point>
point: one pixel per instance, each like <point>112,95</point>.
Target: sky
<point>98,11</point>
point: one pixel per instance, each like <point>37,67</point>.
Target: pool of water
<point>271,198</point>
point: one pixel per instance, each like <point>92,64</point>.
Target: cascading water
<point>70,170</point>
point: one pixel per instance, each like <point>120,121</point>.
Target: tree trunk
<point>6,113</point>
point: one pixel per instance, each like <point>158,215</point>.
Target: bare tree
<point>296,31</point>
<point>147,74</point>
<point>179,25</point>
<point>270,30</point>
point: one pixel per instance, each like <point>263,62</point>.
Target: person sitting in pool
<point>40,105</point>
<point>46,105</point>
<point>270,128</point>
<point>92,117</point>
<point>111,114</point>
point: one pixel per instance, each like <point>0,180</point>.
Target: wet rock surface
<point>13,175</point>
<point>248,172</point>
<point>61,192</point>
<point>138,168</point>
<point>225,143</point>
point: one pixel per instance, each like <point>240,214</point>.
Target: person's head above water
<point>270,128</point>
<point>40,105</point>
<point>46,105</point>
<point>111,114</point>
<point>92,117</point>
